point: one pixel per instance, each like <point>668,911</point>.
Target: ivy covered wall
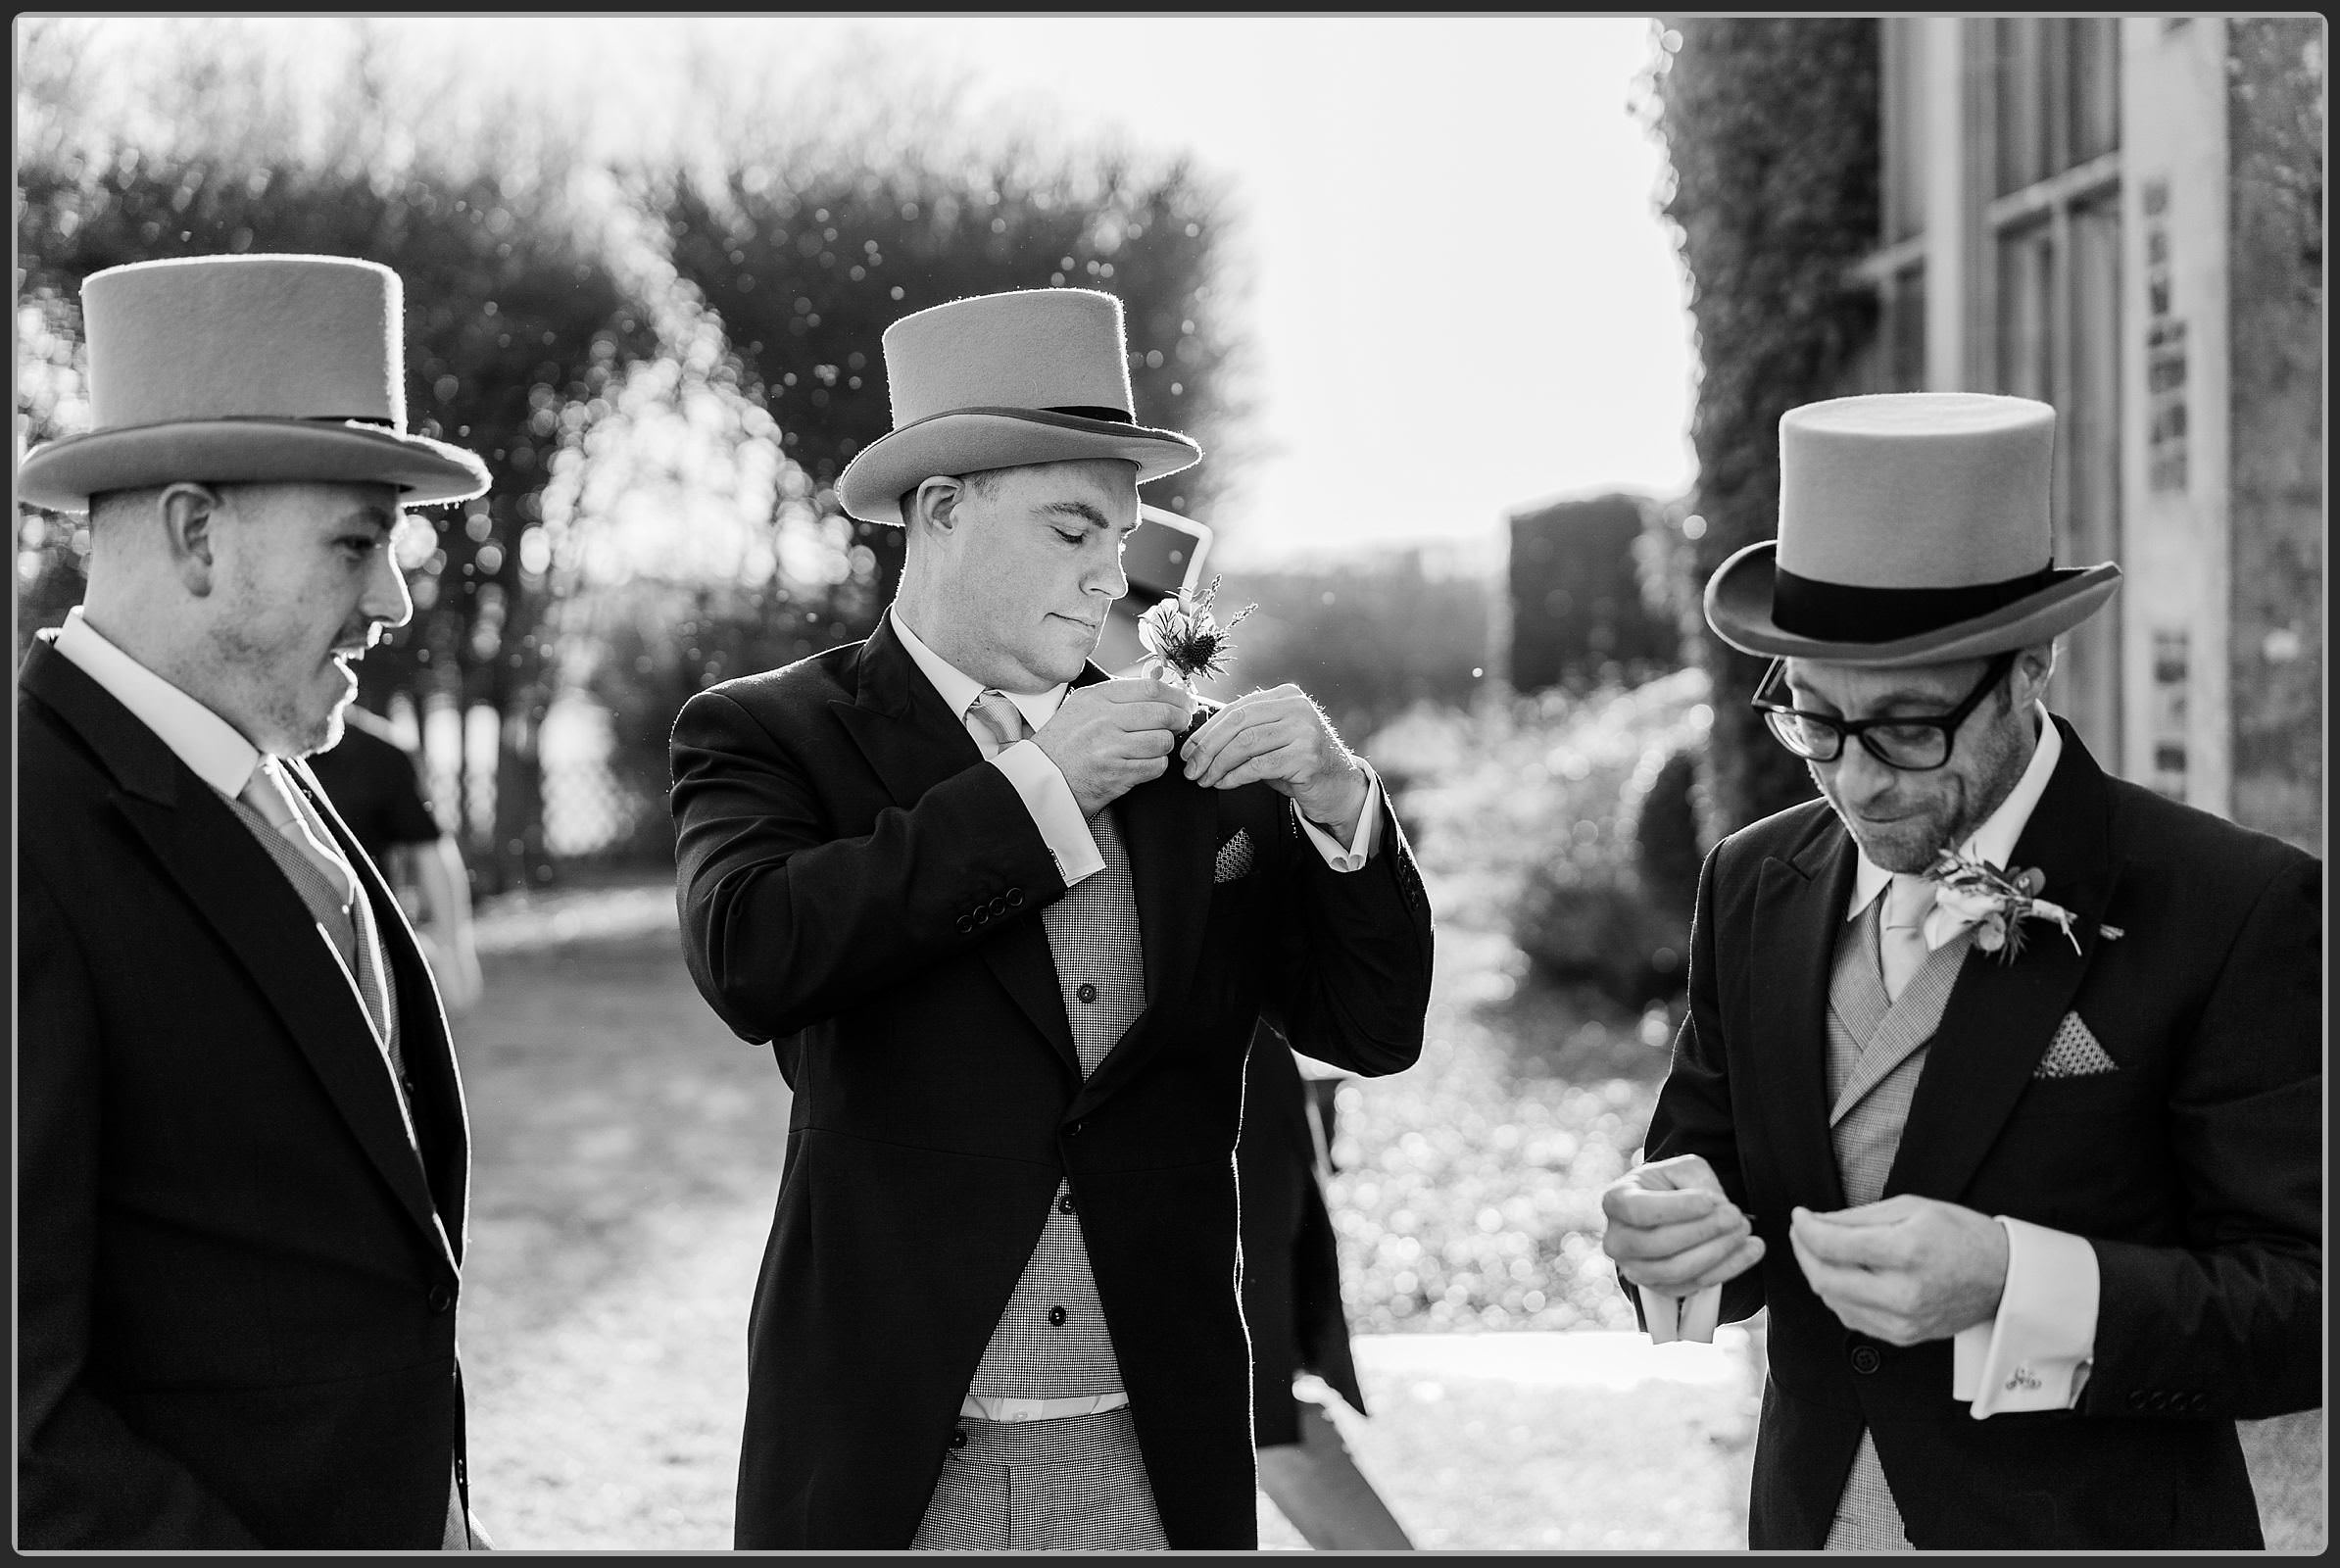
<point>1770,127</point>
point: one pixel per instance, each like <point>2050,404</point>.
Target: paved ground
<point>627,1150</point>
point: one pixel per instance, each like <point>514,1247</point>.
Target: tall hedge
<point>1770,127</point>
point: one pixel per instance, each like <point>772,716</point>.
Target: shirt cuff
<point>1368,836</point>
<point>2037,1351</point>
<point>1041,785</point>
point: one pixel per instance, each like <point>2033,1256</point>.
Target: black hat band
<point>1839,613</point>
<point>1106,415</point>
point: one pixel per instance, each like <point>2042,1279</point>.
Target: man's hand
<point>1109,738</point>
<point>1671,1228</point>
<point>1281,737</point>
<point>1905,1270</point>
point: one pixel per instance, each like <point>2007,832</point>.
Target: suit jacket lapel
<point>1799,905</point>
<point>1168,826</point>
<point>915,742</point>
<point>424,1039</point>
<point>2001,1016</point>
<point>232,883</point>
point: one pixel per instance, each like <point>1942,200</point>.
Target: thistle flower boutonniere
<point>1184,642</point>
<point>1996,901</point>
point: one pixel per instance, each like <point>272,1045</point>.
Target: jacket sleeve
<point>84,1479</point>
<point>1693,1113</point>
<point>2229,1322</point>
<point>1356,963</point>
<point>784,922</point>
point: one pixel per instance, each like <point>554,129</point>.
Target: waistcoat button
<point>1064,1204</point>
<point>1866,1361</point>
<point>1087,993</point>
<point>958,1439</point>
<point>1056,1316</point>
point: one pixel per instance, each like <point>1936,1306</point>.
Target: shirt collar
<point>1995,840</point>
<point>959,691</point>
<point>213,749</point>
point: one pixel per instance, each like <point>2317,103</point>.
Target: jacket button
<point>2159,1400</point>
<point>1087,993</point>
<point>1866,1361</point>
<point>998,906</point>
<point>441,1299</point>
<point>1015,897</point>
<point>2201,1401</point>
<point>1074,1131</point>
<point>1064,1204</point>
<point>2136,1398</point>
<point>1056,1316</point>
<point>958,1439</point>
<point>967,923</point>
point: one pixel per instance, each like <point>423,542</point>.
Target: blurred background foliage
<point>1769,125</point>
<point>666,342</point>
<point>661,350</point>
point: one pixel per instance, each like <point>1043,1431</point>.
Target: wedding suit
<point>240,1204</point>
<point>2156,1092</point>
<point>862,888</point>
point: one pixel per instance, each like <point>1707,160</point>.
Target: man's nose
<point>1861,777</point>
<point>386,599</point>
<point>1106,577</point>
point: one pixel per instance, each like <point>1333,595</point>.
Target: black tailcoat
<point>2195,1170</point>
<point>855,888</point>
<point>235,1282</point>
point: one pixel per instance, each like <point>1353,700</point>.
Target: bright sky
<point>1459,296</point>
<point>1462,298</point>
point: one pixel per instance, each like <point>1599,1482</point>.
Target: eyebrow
<point>1081,510</point>
<point>374,517</point>
<point>1884,699</point>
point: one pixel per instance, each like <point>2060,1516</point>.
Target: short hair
<point>982,483</point>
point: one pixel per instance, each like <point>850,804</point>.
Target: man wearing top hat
<point>2027,1172</point>
<point>1011,950</point>
<point>241,1147</point>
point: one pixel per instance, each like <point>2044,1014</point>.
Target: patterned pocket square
<point>1234,857</point>
<point>2074,1052</point>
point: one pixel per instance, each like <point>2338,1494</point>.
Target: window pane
<point>2096,86</point>
<point>1904,135</point>
<point>2026,277</point>
<point>1905,371</point>
<point>2088,428</point>
<point>2017,41</point>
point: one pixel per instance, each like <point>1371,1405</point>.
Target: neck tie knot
<point>1001,717</point>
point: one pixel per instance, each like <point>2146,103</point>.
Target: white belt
<point>998,1407</point>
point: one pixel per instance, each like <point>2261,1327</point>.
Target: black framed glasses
<point>1911,745</point>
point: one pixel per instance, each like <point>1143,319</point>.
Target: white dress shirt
<point>213,750</point>
<point>2036,1353</point>
<point>1041,785</point>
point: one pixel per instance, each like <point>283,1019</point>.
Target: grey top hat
<point>1000,380</point>
<point>1914,529</point>
<point>229,368</point>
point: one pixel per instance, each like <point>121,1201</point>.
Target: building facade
<point>2123,216</point>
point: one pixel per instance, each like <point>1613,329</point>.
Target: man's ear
<point>2032,668</point>
<point>935,503</point>
<point>189,515</point>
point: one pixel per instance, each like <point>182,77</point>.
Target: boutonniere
<point>1996,903</point>
<point>1185,642</point>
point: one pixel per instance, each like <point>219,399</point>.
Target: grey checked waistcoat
<point>1876,1050</point>
<point>1050,1343</point>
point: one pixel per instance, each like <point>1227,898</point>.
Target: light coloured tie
<point>999,717</point>
<point>271,794</point>
<point>1901,936</point>
<point>345,918</point>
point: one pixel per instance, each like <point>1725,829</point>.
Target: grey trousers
<point>1074,1483</point>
